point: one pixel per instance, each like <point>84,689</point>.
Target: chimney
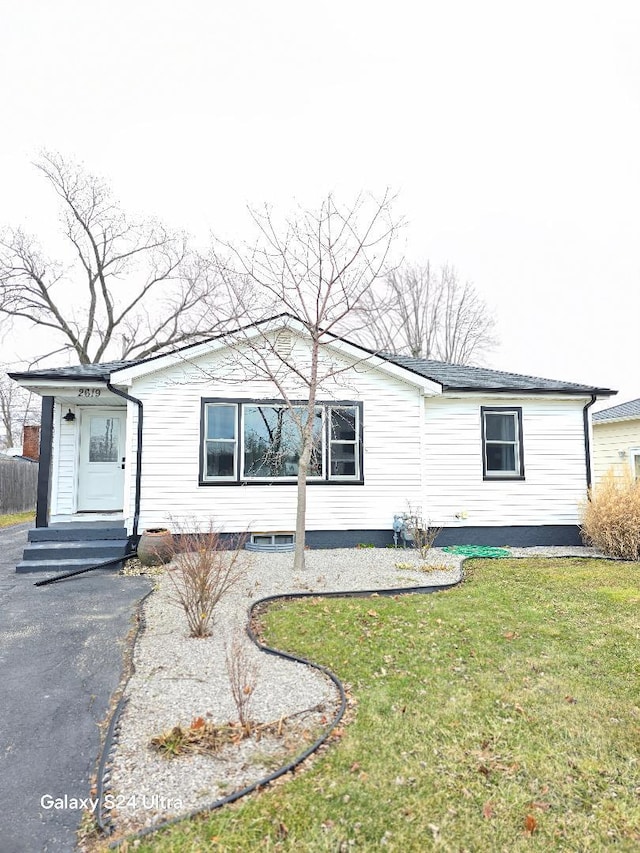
<point>31,442</point>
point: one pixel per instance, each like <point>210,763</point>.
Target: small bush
<point>243,677</point>
<point>611,517</point>
<point>205,569</point>
<point>419,532</point>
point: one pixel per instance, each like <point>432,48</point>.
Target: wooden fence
<point>18,485</point>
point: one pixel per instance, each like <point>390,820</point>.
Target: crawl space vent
<point>276,542</point>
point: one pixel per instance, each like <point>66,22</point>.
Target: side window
<point>220,441</point>
<point>344,455</point>
<point>502,451</point>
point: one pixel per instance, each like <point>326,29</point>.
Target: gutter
<point>136,514</point>
<point>587,442</point>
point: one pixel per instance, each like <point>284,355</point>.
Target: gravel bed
<point>177,678</point>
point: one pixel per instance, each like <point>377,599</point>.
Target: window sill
<point>291,483</point>
<point>503,477</point>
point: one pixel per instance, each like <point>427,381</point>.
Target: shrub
<point>611,517</point>
<point>205,568</point>
<point>419,532</point>
<point>243,676</point>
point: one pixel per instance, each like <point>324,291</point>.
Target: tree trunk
<point>301,512</point>
<point>304,462</point>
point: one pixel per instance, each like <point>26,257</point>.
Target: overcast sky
<point>510,130</point>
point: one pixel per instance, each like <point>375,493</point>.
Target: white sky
<point>511,130</point>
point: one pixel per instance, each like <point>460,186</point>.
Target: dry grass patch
<point>611,517</point>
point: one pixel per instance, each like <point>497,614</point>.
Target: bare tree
<point>17,408</point>
<point>425,313</point>
<point>317,267</point>
<point>132,288</point>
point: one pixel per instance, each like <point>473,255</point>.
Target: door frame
<point>84,411</point>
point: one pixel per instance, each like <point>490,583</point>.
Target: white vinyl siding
<point>392,413</point>
<point>456,493</point>
<point>64,462</point>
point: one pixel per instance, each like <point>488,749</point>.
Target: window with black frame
<point>261,442</point>
<point>502,450</point>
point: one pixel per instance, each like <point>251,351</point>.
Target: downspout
<point>587,442</point>
<point>136,513</point>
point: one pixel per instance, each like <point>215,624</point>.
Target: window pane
<point>220,458</point>
<point>500,427</point>
<point>343,424</point>
<point>221,421</point>
<point>501,457</point>
<point>636,466</point>
<point>272,442</point>
<point>104,439</point>
<point>257,539</point>
<point>343,460</point>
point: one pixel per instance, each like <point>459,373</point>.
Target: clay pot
<point>155,547</point>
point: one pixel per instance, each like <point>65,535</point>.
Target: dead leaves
<point>488,810</point>
<point>489,762</point>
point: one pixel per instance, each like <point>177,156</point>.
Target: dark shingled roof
<point>75,372</point>
<point>619,412</point>
<point>460,377</point>
<point>452,377</point>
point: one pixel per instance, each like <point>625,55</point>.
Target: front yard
<point>500,715</point>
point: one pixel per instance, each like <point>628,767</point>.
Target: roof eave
<point>35,379</point>
<point>574,392</point>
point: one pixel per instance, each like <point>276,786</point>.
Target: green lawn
<point>502,715</point>
<point>16,518</point>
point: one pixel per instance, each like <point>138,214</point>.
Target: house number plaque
<point>89,392</point>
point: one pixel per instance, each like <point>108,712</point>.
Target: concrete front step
<point>69,546</point>
<point>94,549</point>
<point>60,566</point>
<point>77,532</point>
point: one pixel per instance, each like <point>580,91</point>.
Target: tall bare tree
<point>129,288</point>
<point>17,408</point>
<point>317,267</point>
<point>416,310</point>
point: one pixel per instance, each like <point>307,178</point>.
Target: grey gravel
<point>178,678</point>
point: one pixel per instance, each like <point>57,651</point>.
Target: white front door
<point>101,469</point>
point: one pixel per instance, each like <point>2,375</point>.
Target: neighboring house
<point>616,441</point>
<point>491,457</point>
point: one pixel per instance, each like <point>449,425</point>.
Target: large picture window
<point>502,451</point>
<point>260,442</point>
<point>273,444</point>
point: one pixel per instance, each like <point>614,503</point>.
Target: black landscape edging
<point>291,766</point>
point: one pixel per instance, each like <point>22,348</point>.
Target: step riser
<point>60,566</point>
<point>73,550</point>
<point>75,534</point>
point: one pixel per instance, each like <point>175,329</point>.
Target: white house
<point>491,457</point>
<point>616,441</point>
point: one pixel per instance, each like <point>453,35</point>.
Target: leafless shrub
<point>419,532</point>
<point>243,677</point>
<point>204,569</point>
<point>611,517</point>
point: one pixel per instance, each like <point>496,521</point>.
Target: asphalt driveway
<point>61,652</point>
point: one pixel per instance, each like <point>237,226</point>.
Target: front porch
<point>69,545</point>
